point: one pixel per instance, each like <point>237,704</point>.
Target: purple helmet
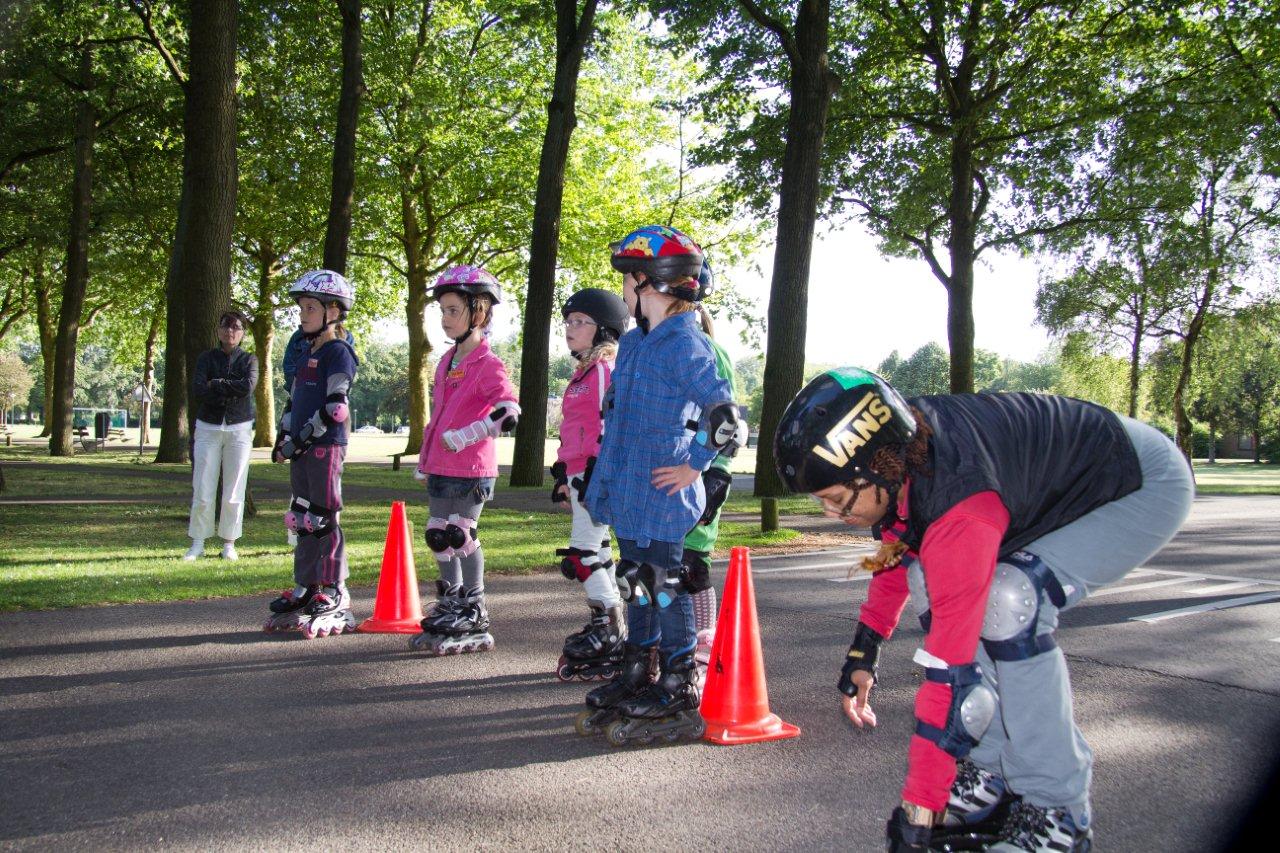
<point>326,286</point>
<point>468,281</point>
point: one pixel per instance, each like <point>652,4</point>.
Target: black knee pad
<point>455,536</point>
<point>437,539</point>
<point>695,570</point>
<point>628,574</point>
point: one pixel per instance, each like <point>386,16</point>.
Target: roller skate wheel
<point>563,671</point>
<point>616,733</point>
<point>699,729</point>
<point>582,724</point>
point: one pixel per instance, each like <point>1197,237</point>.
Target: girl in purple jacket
<point>473,403</point>
<point>594,320</point>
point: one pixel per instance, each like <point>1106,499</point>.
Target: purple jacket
<point>463,395</point>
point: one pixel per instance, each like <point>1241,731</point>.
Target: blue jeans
<point>670,627</point>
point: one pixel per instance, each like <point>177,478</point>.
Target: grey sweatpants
<point>1034,742</point>
<point>316,476</point>
<point>464,496</point>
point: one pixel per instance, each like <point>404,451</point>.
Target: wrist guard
<point>864,655</point>
<point>583,480</point>
<point>715,484</point>
<point>560,480</point>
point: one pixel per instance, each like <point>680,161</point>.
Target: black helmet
<point>834,426</point>
<point>604,307</point>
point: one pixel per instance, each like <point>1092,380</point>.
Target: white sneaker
<point>229,551</point>
<point>196,551</point>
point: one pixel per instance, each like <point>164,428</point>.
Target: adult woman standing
<point>223,387</point>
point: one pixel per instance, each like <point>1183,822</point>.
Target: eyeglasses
<point>233,327</point>
<point>577,323</point>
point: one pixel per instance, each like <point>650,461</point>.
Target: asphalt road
<point>182,725</point>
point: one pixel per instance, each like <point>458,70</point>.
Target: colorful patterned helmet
<point>468,281</point>
<point>663,254</point>
<point>835,425</point>
<point>604,307</point>
<point>326,286</point>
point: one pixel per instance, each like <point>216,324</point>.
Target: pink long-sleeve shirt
<point>581,422</point>
<point>463,395</point>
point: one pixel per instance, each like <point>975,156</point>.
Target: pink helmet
<point>468,281</point>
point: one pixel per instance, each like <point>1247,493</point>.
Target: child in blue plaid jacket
<point>667,416</point>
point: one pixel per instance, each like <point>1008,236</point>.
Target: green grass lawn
<point>1237,477</point>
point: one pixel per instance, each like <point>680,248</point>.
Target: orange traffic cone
<point>735,703</point>
<point>397,608</point>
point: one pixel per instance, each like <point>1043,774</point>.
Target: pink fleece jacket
<point>581,421</point>
<point>463,395</point>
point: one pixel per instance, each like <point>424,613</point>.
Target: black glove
<point>561,481</point>
<point>716,483</point>
<point>583,481</point>
<point>863,655</point>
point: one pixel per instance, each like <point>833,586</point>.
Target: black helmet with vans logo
<point>835,425</point>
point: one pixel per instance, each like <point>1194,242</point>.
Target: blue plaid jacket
<point>660,380</point>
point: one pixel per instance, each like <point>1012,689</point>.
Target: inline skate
<point>458,624</point>
<point>595,652</point>
<point>667,710</point>
<point>328,612</point>
<point>287,610</point>
<point>635,674</point>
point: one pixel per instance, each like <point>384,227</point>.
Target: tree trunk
<point>572,35</point>
<point>209,128</point>
<point>1257,446</point>
<point>77,267</point>
<point>415,309</point>
<point>173,417</point>
<point>1135,366</point>
<point>960,216</point>
<point>149,376</point>
<point>338,231</point>
<point>812,86</point>
<point>264,331</point>
<point>1213,442</point>
<point>47,327</point>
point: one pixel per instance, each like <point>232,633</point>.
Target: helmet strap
<point>324,325</point>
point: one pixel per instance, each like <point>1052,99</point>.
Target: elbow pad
<point>336,409</point>
<point>721,430</point>
<point>502,419</point>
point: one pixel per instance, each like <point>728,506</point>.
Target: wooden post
<point>768,514</point>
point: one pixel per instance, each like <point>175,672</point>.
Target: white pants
<point>589,536</point>
<point>226,451</point>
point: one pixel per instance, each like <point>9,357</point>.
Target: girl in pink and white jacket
<point>473,403</point>
<point>594,320</point>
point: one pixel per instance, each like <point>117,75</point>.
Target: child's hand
<point>673,478</point>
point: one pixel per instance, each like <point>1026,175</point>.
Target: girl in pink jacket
<point>473,403</point>
<point>593,321</point>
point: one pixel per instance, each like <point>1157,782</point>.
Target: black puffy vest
<point>1051,459</point>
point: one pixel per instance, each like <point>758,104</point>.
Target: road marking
<point>843,564</point>
<point>1207,576</point>
<point>1205,608</point>
<point>1222,588</point>
<point>860,576</point>
<point>851,550</point>
<point>1133,587</point>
